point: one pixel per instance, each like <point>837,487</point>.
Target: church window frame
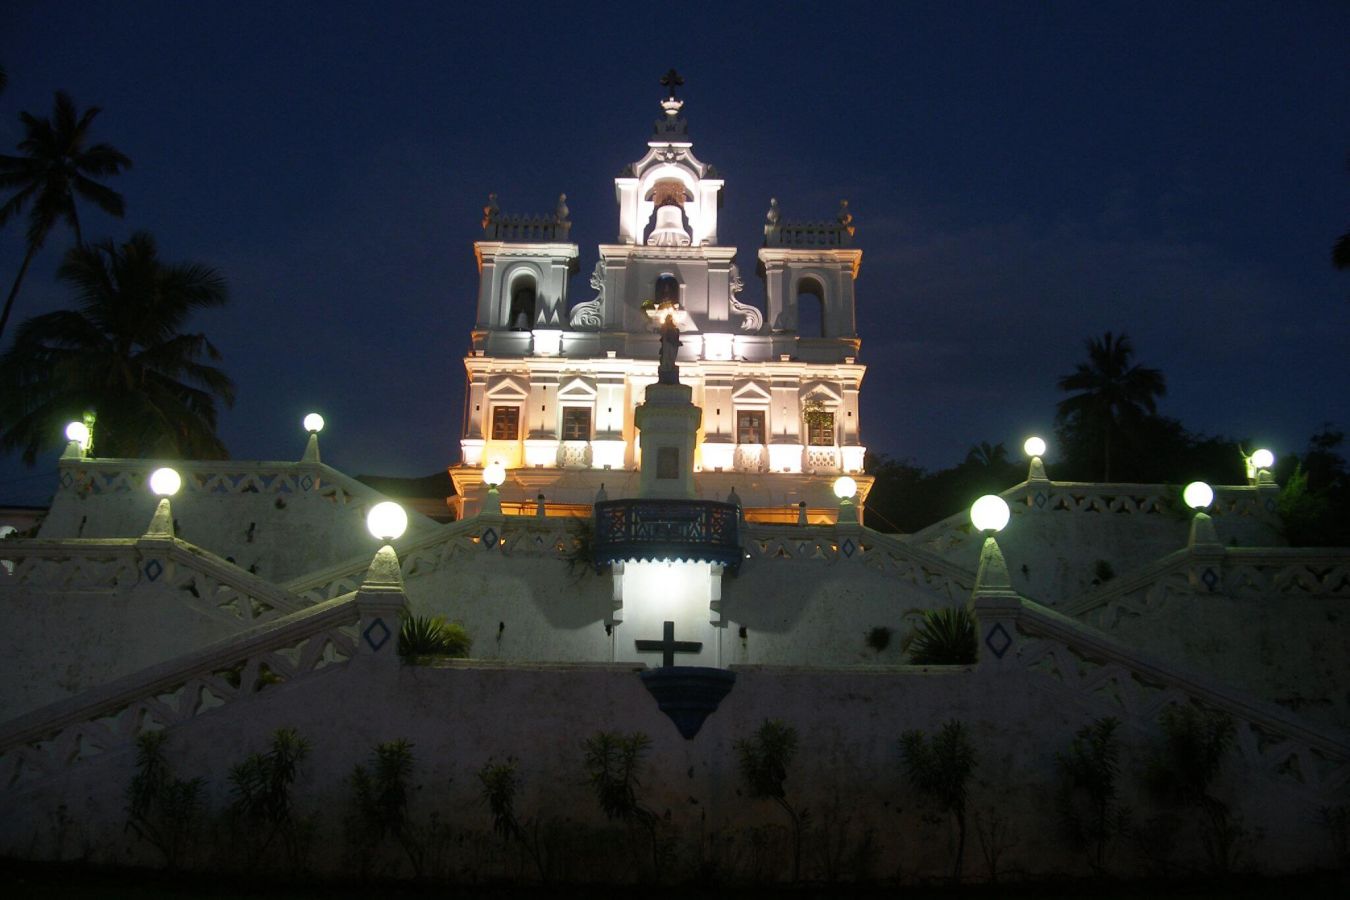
<point>576,423</point>
<point>750,423</point>
<point>521,280</point>
<point>666,280</point>
<point>819,423</point>
<point>505,422</point>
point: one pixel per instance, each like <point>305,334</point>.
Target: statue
<point>772,217</point>
<point>562,212</point>
<point>590,315</point>
<point>845,217</point>
<point>668,372</point>
<point>491,211</point>
<point>754,319</point>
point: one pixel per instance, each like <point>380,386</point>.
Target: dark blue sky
<point>1022,176</point>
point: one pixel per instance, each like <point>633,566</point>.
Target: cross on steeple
<point>671,80</point>
<point>668,646</point>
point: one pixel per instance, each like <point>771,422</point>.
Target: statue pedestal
<point>669,422</point>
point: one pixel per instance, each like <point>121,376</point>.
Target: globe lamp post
<point>845,488</point>
<point>494,475</point>
<point>993,602</point>
<point>381,595</point>
<point>78,437</point>
<point>1259,465</point>
<point>1199,497</point>
<point>313,423</point>
<point>1034,447</point>
<point>164,483</point>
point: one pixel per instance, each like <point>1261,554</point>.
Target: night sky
<point>1023,176</point>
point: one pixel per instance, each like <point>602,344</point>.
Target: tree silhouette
<point>1112,395</point>
<point>56,164</point>
<point>122,355</point>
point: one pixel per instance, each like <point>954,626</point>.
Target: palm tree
<point>121,354</point>
<point>1111,393</point>
<point>56,165</point>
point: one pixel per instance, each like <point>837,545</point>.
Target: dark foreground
<point>20,880</point>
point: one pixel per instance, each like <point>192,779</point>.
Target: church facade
<point>553,381</point>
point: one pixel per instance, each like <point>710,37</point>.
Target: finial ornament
<point>845,217</point>
<point>490,211</point>
<point>671,80</point>
<point>562,212</point>
<point>773,214</point>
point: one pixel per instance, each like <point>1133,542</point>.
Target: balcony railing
<point>651,530</point>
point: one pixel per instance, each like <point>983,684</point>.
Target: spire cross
<point>671,80</point>
<point>668,646</point>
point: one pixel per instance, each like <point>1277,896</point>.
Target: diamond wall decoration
<point>153,569</point>
<point>377,634</point>
<point>998,640</point>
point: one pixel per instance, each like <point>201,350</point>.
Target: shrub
<point>1089,808</point>
<point>263,808</point>
<point>1182,771</point>
<point>764,761</point>
<point>940,770</point>
<point>498,783</point>
<point>943,637</point>
<point>432,636</point>
<point>612,761</point>
<point>162,810</point>
<point>379,808</point>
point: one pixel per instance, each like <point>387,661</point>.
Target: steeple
<point>668,198</point>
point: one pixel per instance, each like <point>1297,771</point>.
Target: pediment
<point>751,392</point>
<point>824,390</point>
<point>577,389</point>
<point>508,387</point>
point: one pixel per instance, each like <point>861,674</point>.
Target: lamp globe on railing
<point>990,514</point>
<point>1034,448</point>
<point>845,488</point>
<point>494,475</point>
<point>387,521</point>
<point>164,483</point>
<point>1259,465</point>
<point>313,423</point>
<point>78,438</point>
<point>1198,495</point>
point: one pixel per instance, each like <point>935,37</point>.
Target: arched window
<point>667,289</point>
<point>521,314</point>
<point>810,308</point>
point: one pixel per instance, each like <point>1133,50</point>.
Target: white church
<point>658,531</point>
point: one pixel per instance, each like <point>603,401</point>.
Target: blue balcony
<point>657,530</point>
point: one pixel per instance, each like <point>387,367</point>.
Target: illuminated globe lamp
<point>494,475</point>
<point>164,483</point>
<point>1259,465</point>
<point>1034,447</point>
<point>79,438</point>
<point>845,488</point>
<point>990,515</point>
<point>387,521</point>
<point>1199,497</point>
<point>313,423</point>
<point>381,594</point>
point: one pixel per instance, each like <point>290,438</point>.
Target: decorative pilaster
<point>995,606</point>
<point>381,602</point>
